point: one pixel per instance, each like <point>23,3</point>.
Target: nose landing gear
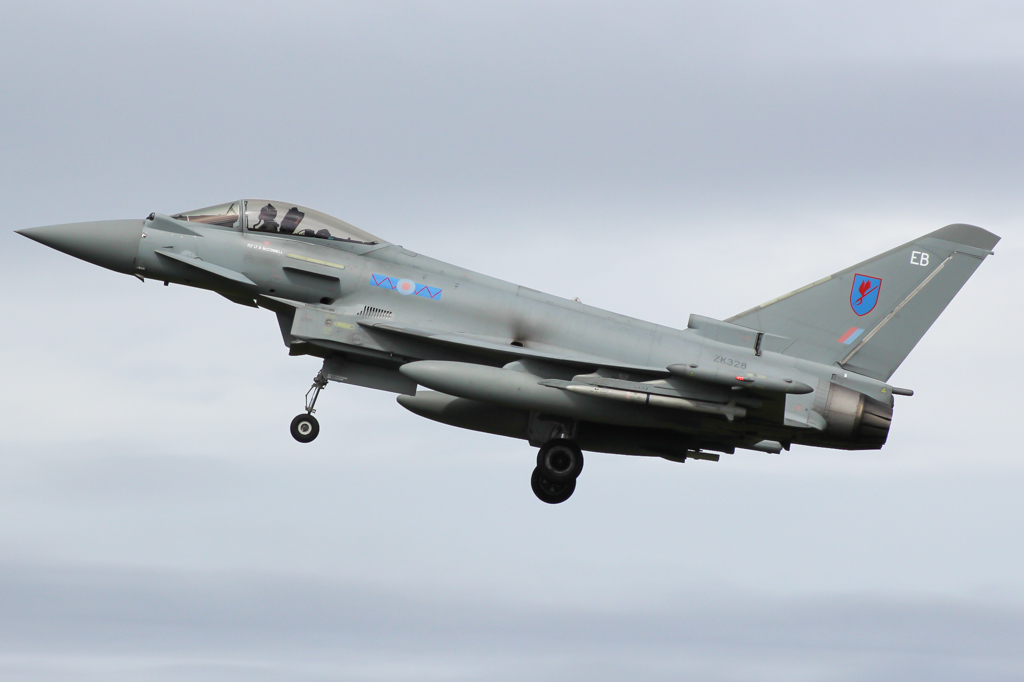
<point>305,428</point>
<point>559,464</point>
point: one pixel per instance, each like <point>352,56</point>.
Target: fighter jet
<point>810,367</point>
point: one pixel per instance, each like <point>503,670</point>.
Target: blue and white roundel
<point>405,287</point>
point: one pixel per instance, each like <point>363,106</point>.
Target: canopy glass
<point>222,215</point>
<point>281,217</point>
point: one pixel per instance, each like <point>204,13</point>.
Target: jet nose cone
<point>110,244</point>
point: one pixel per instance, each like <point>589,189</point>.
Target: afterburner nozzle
<point>110,244</point>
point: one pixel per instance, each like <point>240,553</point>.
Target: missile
<point>728,411</point>
<point>504,421</point>
<point>522,391</point>
<point>759,382</point>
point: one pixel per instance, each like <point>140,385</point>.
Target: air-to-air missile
<point>810,367</point>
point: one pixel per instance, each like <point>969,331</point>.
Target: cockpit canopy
<point>263,215</point>
<point>223,215</point>
<point>280,217</point>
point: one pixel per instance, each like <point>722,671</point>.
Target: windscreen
<point>281,217</point>
<point>222,215</point>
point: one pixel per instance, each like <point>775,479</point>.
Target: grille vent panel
<point>375,313</point>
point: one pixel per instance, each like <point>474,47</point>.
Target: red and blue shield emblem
<point>864,294</point>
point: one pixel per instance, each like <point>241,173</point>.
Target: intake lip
<point>111,244</point>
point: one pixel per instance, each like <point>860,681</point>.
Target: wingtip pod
<point>967,235</point>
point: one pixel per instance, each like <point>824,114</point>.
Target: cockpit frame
<point>282,219</point>
<point>300,221</point>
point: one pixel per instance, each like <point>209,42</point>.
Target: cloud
<point>165,625</point>
<point>438,109</point>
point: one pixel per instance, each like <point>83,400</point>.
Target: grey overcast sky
<point>158,523</point>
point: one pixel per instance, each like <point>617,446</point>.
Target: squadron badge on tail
<point>864,293</point>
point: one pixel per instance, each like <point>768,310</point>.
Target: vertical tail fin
<point>868,317</point>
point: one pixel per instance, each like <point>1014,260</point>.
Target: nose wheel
<point>305,428</point>
<point>559,464</point>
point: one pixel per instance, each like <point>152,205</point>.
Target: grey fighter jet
<point>809,367</point>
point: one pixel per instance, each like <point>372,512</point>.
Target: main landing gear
<point>559,464</point>
<point>305,428</point>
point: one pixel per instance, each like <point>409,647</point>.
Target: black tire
<point>551,492</point>
<point>305,428</point>
<point>560,460</point>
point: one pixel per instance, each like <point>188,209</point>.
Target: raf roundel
<point>405,287</point>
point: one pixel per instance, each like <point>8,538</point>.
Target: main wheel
<point>560,460</point>
<point>305,428</point>
<point>552,492</point>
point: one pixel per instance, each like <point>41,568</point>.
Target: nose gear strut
<point>305,427</point>
<point>319,384</point>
